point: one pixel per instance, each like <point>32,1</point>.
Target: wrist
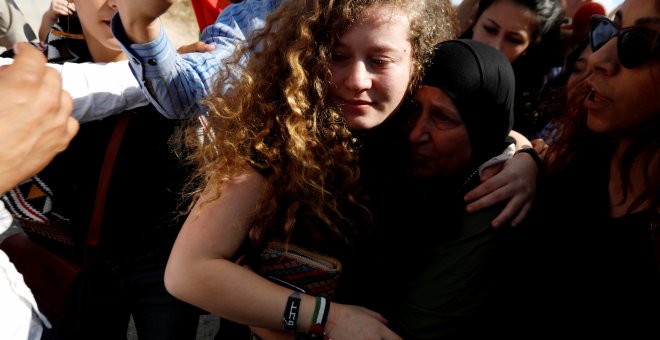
<point>534,155</point>
<point>140,31</point>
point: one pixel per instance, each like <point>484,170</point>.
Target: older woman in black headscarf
<point>461,115</point>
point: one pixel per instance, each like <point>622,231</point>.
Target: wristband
<point>535,156</point>
<point>319,319</point>
<point>291,312</point>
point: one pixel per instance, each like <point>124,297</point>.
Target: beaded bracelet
<point>291,312</point>
<point>319,319</point>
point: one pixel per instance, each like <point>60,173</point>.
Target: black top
<point>596,275</point>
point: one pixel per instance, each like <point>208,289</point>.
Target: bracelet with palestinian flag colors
<point>319,319</point>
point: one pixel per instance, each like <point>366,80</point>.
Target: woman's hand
<point>51,16</point>
<point>513,181</point>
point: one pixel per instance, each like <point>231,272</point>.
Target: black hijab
<point>481,83</point>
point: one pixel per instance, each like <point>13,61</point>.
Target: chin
<point>421,172</point>
<point>597,125</point>
<point>363,122</point>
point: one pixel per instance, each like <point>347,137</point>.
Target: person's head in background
<point>316,72</point>
<point>466,12</point>
<point>576,70</point>
<point>622,101</point>
<point>625,68</point>
<point>462,111</point>
<point>512,26</point>
<point>95,17</point>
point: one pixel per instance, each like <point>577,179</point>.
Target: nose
<point>606,59</point>
<point>419,132</point>
<point>112,4</point>
<point>358,77</point>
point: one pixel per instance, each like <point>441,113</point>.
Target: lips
<point>595,100</point>
<point>357,102</point>
<point>421,157</point>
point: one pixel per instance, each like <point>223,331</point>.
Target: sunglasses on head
<point>636,45</point>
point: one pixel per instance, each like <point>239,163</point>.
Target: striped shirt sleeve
<point>175,83</point>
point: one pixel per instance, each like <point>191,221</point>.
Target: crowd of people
<point>484,170</point>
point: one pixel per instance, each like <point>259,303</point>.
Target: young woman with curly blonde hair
<point>279,160</point>
<point>283,164</point>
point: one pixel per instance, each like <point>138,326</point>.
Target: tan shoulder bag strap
<point>102,189</point>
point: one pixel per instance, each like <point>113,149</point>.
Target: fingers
<point>197,46</point>
<point>29,62</point>
<point>72,125</point>
<point>492,196</point>
<point>527,207</point>
<point>481,192</point>
<point>491,171</point>
<point>515,211</point>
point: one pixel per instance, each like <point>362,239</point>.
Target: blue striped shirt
<point>175,83</point>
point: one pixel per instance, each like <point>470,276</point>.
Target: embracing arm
<point>173,82</point>
<point>514,181</point>
<point>200,272</point>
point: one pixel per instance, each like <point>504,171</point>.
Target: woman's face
<point>507,26</point>
<point>621,99</point>
<point>439,142</point>
<point>372,66</point>
<point>95,16</point>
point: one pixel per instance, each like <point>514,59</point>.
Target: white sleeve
<point>99,90</point>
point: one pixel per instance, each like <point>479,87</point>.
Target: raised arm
<point>176,83</point>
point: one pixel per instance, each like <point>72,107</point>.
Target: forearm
<point>47,21</point>
<point>236,293</point>
<point>175,83</point>
<point>140,18</point>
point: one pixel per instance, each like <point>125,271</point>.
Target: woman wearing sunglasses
<point>600,206</point>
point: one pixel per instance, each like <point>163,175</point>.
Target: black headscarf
<point>480,81</point>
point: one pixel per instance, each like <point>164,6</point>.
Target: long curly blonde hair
<point>275,115</point>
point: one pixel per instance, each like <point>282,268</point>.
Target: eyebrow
<point>491,21</point>
<point>639,22</point>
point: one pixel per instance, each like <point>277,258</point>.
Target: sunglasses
<point>636,45</point>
